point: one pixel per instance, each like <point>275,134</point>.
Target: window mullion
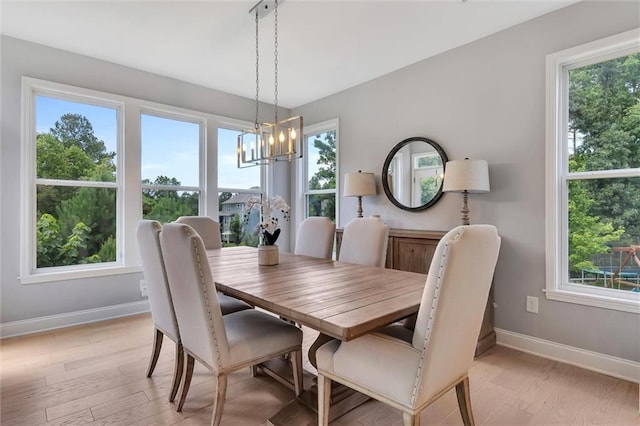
<point>76,183</point>
<point>602,174</point>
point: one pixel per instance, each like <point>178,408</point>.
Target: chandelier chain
<point>275,60</point>
<point>255,123</point>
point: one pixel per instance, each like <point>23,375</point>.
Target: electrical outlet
<point>532,304</point>
<point>143,288</point>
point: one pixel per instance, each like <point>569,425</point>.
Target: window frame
<point>302,170</point>
<point>202,125</point>
<point>264,171</point>
<point>33,88</point>
<point>128,178</point>
<point>557,176</point>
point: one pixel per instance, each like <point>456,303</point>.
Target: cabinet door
<point>413,254</point>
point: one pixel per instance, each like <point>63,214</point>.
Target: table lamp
<point>466,176</point>
<point>359,185</point>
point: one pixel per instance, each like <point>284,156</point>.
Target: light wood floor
<point>95,375</point>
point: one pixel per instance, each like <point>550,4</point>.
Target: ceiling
<point>324,46</point>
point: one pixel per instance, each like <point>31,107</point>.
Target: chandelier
<point>267,142</point>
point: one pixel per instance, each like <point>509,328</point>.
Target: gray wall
<point>483,100</point>
<point>486,100</point>
<point>20,58</point>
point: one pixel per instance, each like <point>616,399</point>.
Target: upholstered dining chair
<point>315,237</point>
<point>162,312</point>
<point>164,317</point>
<point>226,343</point>
<point>364,241</point>
<point>209,231</point>
<point>206,227</point>
<point>410,375</point>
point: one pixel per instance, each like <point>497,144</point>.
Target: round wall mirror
<point>413,172</point>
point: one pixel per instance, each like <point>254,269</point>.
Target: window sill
<point>631,304</point>
<point>44,277</point>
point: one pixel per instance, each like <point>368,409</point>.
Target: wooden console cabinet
<point>412,250</point>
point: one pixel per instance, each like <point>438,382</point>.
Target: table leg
<point>320,340</point>
<point>304,409</point>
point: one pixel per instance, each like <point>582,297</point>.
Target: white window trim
<point>557,66</point>
<point>301,172</point>
<point>129,194</point>
<point>29,272</point>
<point>202,125</point>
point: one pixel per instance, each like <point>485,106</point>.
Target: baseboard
<point>52,322</point>
<point>594,361</point>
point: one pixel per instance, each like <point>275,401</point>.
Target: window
<point>318,174</point>
<point>91,172</point>
<point>170,151</point>
<point>76,181</point>
<point>427,176</point>
<point>593,173</point>
<point>235,188</point>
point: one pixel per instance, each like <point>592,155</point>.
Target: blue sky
<point>49,110</point>
<point>169,147</point>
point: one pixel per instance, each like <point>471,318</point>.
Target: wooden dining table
<point>340,300</point>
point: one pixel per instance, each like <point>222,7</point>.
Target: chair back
<point>452,306</point>
<point>364,241</point>
<point>162,311</point>
<point>194,295</point>
<point>315,237</point>
<point>206,227</point>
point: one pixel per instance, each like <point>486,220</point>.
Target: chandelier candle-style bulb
<point>271,151</point>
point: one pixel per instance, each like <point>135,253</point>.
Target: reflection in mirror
<point>413,172</point>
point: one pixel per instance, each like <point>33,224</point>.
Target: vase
<point>268,255</point>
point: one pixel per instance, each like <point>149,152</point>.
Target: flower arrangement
<point>268,225</point>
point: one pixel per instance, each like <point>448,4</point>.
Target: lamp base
<point>465,208</point>
<point>359,206</point>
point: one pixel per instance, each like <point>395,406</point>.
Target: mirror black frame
<point>387,163</point>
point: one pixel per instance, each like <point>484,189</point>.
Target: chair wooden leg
<point>177,372</point>
<point>296,365</point>
<point>218,404</point>
<point>464,402</point>
<point>324,399</point>
<point>157,345</point>
<point>254,370</point>
<point>188,373</point>
<point>410,419</point>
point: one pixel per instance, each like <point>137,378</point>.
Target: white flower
<point>268,208</point>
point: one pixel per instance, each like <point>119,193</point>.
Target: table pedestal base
<point>303,411</point>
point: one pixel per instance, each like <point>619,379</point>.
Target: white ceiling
<point>324,46</point>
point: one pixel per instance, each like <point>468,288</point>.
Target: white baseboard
<point>601,363</point>
<point>52,322</point>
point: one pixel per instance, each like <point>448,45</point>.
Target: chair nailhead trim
<point>206,298</point>
<point>432,314</point>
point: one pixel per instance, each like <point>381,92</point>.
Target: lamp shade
<point>466,175</point>
<point>359,184</point>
